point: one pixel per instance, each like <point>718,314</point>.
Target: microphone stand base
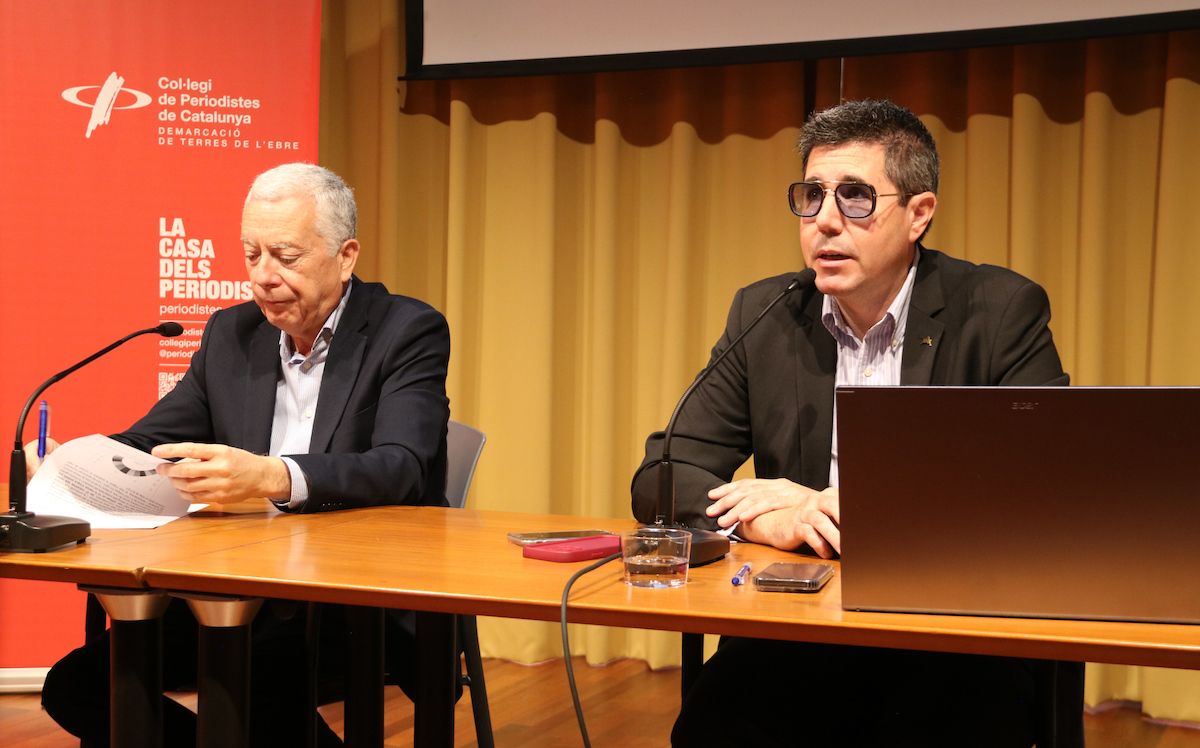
<point>26,531</point>
<point>707,546</point>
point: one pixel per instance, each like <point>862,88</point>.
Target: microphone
<point>21,530</point>
<point>707,546</point>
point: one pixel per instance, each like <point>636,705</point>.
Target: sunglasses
<point>854,199</point>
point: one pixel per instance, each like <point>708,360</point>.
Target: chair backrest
<point>463,445</point>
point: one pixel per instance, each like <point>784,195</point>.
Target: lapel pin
<point>927,341</point>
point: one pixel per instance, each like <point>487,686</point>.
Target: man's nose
<point>829,218</point>
<point>264,272</point>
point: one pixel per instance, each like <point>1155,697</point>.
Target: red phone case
<point>577,549</point>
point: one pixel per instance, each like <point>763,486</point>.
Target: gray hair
<point>910,154</point>
<point>337,214</point>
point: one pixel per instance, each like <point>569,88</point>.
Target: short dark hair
<point>910,154</point>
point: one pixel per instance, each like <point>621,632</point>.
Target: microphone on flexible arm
<point>21,530</point>
<point>707,546</point>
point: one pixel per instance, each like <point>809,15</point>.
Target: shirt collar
<point>894,319</point>
<point>287,351</point>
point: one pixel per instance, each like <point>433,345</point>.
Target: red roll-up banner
<point>129,133</point>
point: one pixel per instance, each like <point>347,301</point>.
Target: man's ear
<point>920,212</point>
<point>347,258</point>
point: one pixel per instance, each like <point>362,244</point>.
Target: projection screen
<point>464,38</point>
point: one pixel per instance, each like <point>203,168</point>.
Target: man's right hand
<point>780,513</point>
<point>32,461</point>
<point>220,474</point>
<point>792,527</point>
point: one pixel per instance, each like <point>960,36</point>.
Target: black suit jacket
<point>379,432</point>
<point>773,397</point>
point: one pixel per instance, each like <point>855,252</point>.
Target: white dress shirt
<point>874,360</point>
<point>296,395</point>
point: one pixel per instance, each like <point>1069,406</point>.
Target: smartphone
<point>793,577</point>
<point>574,549</point>
<point>533,538</point>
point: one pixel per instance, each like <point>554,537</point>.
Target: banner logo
<point>106,100</point>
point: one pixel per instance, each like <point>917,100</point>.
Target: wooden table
<point>116,558</point>
<point>446,561</point>
<point>111,563</point>
<point>439,561</point>
<point>459,561</point>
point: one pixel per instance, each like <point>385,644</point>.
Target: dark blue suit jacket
<point>379,432</point>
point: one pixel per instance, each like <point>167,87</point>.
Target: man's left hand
<point>32,461</point>
<point>219,474</point>
<point>793,527</point>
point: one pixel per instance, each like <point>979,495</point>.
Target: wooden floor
<point>625,705</point>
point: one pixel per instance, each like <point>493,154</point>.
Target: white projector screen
<point>448,38</point>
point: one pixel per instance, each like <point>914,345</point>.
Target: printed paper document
<point>107,483</point>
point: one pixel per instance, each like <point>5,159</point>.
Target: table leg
<point>364,691</point>
<point>223,669</point>
<point>135,669</point>
<point>437,672</point>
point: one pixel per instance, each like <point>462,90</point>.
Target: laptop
<point>1061,502</point>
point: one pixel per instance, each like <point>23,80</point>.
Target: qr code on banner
<point>167,381</point>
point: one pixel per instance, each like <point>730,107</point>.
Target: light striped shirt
<point>296,395</point>
<point>875,359</point>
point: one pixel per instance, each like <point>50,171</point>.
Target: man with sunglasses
<point>877,308</point>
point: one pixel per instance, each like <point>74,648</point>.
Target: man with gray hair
<point>875,307</point>
<point>324,393</point>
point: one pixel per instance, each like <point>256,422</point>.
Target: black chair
<point>463,447</point>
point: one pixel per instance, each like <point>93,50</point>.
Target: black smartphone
<point>793,577</point>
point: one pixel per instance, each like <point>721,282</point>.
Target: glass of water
<point>656,556</point>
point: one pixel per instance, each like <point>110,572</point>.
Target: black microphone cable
<point>665,511</point>
<point>587,743</point>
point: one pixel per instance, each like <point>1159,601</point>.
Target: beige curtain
<point>562,222</point>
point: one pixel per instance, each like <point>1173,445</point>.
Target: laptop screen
<point>1060,502</point>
